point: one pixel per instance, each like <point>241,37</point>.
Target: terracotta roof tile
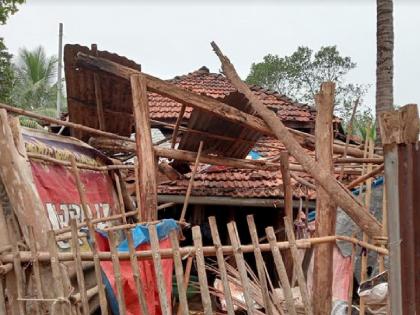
<point>218,86</point>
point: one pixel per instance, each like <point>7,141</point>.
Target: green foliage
<point>7,77</point>
<point>7,8</point>
<point>35,73</point>
<point>300,75</point>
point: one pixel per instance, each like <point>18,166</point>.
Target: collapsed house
<point>111,224</point>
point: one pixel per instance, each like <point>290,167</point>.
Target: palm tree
<point>384,57</point>
<point>35,72</point>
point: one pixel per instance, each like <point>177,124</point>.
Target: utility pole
<point>60,67</point>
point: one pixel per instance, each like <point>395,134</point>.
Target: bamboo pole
<point>297,266</point>
<point>157,263</point>
<point>268,306</point>
<point>287,186</point>
<point>240,263</point>
<point>179,273</point>
<point>281,271</point>
<point>117,272</point>
<point>201,270</point>
<point>190,250</point>
<point>35,268</point>
<point>92,233</point>
<point>221,264</point>
<point>191,183</point>
<point>136,273</point>
<point>178,122</point>
<point>342,197</point>
<point>350,290</point>
<point>120,198</point>
<point>56,272</point>
<point>78,265</point>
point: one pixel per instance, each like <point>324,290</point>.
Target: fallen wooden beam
<point>340,194</point>
<point>363,178</point>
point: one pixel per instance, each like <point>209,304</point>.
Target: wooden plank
<point>297,267</point>
<point>56,272</point>
<point>287,185</point>
<point>201,270</point>
<point>191,182</point>
<point>157,263</point>
<point>35,269</point>
<point>17,268</point>
<point>281,271</point>
<point>342,197</point>
<point>144,149</point>
<point>120,198</point>
<point>240,263</point>
<point>268,305</point>
<point>78,266</point>
<point>366,176</point>
<point>325,208</point>
<point>92,233</point>
<point>117,271</point>
<point>179,273</point>
<point>221,264</point>
<point>136,273</point>
<point>98,94</point>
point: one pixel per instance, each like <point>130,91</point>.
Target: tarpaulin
<point>147,271</point>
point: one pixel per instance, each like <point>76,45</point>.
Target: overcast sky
<point>171,38</point>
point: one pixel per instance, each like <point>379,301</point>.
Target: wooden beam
<point>144,150</point>
<point>342,197</point>
<point>363,178</point>
<point>177,124</point>
<point>326,211</point>
<point>287,185</point>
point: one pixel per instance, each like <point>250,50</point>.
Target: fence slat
<point>260,265</point>
<point>201,270</point>
<point>88,218</point>
<point>78,266</point>
<point>297,266</point>
<point>35,268</point>
<point>56,272</point>
<point>136,273</point>
<point>240,263</point>
<point>157,262</point>
<point>179,272</point>
<point>117,271</point>
<point>281,271</point>
<point>222,267</point>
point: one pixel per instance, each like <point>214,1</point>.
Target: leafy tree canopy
<point>35,72</point>
<point>300,75</point>
<point>7,8</point>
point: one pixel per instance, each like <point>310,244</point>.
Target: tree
<point>7,8</point>
<point>35,72</point>
<point>384,57</point>
<point>7,77</point>
<point>300,75</point>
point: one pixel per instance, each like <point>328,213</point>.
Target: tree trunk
<point>384,58</point>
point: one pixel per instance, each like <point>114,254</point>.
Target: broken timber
<point>341,196</point>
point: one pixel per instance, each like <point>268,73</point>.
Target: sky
<point>170,38</point>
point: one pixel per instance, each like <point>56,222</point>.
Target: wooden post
<point>56,272</point>
<point>35,267</point>
<point>337,192</point>
<point>287,185</point>
<point>144,150</point>
<point>117,272</point>
<point>177,124</point>
<point>326,211</point>
<point>397,127</point>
